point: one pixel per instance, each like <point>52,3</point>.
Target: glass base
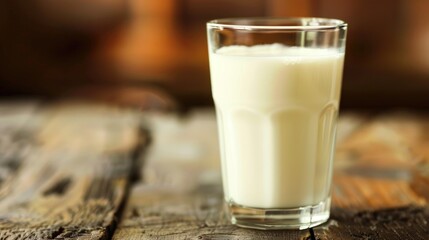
<point>273,218</point>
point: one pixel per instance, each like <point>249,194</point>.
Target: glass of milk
<point>276,86</point>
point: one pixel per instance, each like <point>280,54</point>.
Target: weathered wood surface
<point>64,170</point>
<point>381,183</point>
<point>65,173</point>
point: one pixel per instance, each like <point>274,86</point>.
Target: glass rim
<point>240,23</point>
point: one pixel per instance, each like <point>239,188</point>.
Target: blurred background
<point>153,54</point>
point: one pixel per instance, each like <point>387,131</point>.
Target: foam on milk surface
<point>276,109</point>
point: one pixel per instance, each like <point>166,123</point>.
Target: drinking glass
<point>276,86</point>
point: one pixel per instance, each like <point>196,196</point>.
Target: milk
<point>276,108</point>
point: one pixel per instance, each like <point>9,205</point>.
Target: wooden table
<point>84,171</point>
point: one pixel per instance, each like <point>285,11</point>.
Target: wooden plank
<point>75,180</point>
<point>380,187</point>
<point>16,135</point>
<point>382,163</point>
<point>382,224</point>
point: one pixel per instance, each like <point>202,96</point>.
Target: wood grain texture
<point>74,178</point>
<point>164,213</point>
<point>16,135</point>
<point>399,223</point>
<point>380,183</point>
<point>65,172</point>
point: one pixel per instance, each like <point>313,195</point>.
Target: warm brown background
<point>153,53</point>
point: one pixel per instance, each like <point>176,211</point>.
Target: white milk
<point>277,108</point>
